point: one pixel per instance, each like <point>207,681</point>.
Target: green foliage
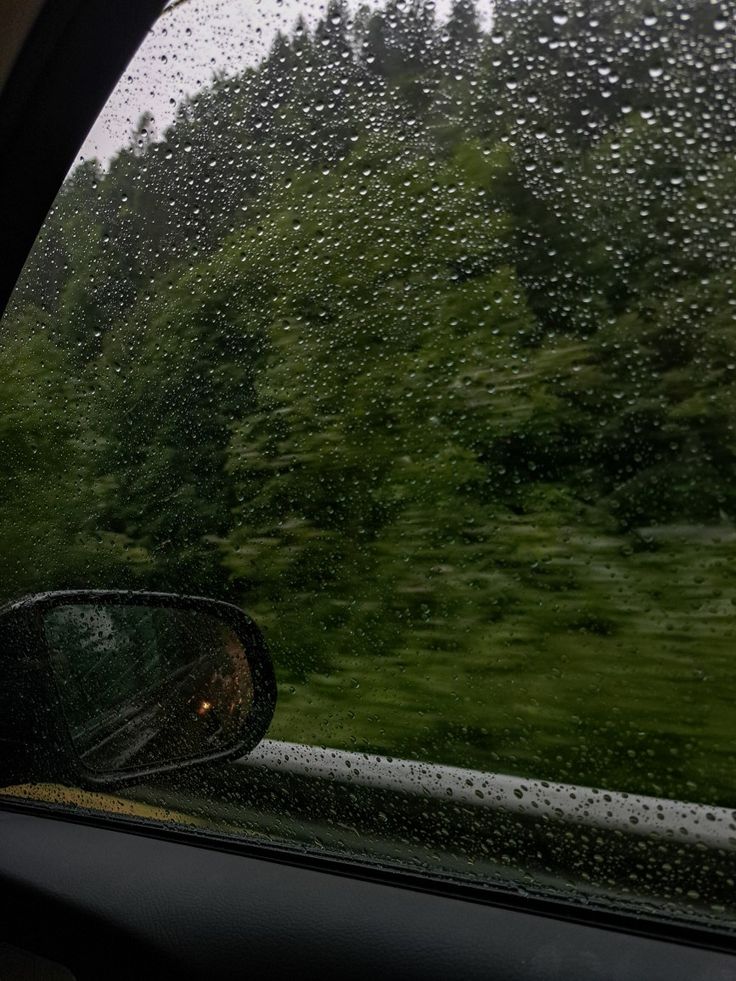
<point>418,342</point>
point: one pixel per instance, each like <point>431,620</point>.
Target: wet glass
<point>142,685</point>
<point>411,329</point>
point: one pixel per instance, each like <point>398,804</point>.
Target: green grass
<point>607,665</point>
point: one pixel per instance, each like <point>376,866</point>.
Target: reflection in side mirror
<point>147,681</point>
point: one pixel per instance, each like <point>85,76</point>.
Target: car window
<point>410,328</point>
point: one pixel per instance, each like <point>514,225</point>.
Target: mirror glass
<point>141,686</point>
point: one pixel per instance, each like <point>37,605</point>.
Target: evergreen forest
<point>417,340</point>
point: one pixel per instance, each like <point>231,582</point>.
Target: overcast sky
<point>186,45</point>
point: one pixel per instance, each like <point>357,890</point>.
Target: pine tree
<point>462,29</point>
<point>332,33</point>
<point>399,42</point>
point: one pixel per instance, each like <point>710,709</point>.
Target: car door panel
<point>103,901</point>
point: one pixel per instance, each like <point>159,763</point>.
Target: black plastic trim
<point>71,61</point>
<point>675,931</point>
<point>21,628</point>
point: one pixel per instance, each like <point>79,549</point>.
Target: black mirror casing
<point>36,741</point>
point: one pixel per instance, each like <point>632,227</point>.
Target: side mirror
<point>108,688</point>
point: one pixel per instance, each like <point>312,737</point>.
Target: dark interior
<point>107,903</point>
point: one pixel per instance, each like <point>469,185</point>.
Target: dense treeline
<point>418,341</point>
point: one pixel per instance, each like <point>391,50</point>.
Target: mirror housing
<point>103,688</point>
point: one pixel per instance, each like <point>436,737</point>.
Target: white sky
<point>185,46</point>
